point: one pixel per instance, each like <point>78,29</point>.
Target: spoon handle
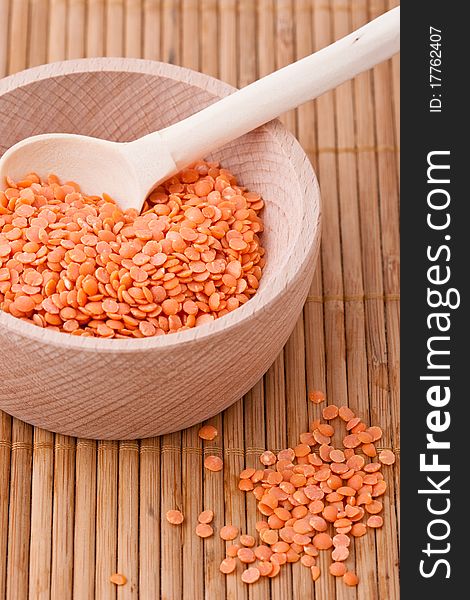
<point>244,110</point>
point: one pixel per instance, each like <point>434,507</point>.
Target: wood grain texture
<point>87,509</point>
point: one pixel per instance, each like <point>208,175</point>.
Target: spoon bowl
<point>98,165</point>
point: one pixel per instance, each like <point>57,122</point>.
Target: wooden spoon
<point>128,172</point>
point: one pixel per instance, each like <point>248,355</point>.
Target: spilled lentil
<point>79,264</point>
<point>207,432</point>
<point>174,517</point>
<point>118,579</point>
<point>314,497</point>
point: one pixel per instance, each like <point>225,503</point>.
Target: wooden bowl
<point>118,389</point>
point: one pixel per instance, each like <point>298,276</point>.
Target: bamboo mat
<point>73,511</point>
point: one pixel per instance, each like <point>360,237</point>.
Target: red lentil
<point>346,413</point>
<point>228,532</point>
<point>250,575</point>
<point>310,493</point>
<point>228,565</point>
<point>307,560</point>
<point>207,432</point>
<point>174,517</point>
<point>387,457</point>
<point>246,555</point>
<point>213,463</point>
<point>199,227</point>
<point>268,458</point>
<point>204,530</point>
<point>275,570</point>
<point>350,578</point>
<point>340,553</point>
<point>206,516</point>
<point>375,521</point>
<point>315,572</point>
<point>330,412</point>
<point>118,579</point>
<point>358,529</point>
<point>247,540</point>
<point>265,568</point>
<point>337,569</point>
<point>316,396</point>
<point>232,550</point>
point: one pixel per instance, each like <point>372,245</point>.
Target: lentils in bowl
<point>79,264</point>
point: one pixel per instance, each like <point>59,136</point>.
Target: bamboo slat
<point>106,519</point>
<point>5,451</point>
<point>192,485</point>
<point>171,499</point>
<point>39,11</point>
<point>247,58</point>
<point>274,381</point>
<point>284,48</point>
<point>312,345</point>
<point>276,438</point>
<point>254,439</point>
<point>19,525</point>
<point>233,421</point>
<point>95,27</point>
<point>76,32</point>
<point>190,35</point>
<point>331,257</point>
<point>387,545</point>
<point>128,519</point>
<point>395,82</point>
<point>171,47</point>
<point>208,40</point>
<point>85,520</point>
<point>63,518</point>
<point>234,501</point>
<point>149,519</point>
<point>40,547</point>
<point>152,37</point>
<point>57,42</point>
<point>214,547</point>
<point>4,31</point>
<point>297,422</point>
<point>364,549</point>
<point>191,468</point>
<point>18,34</point>
<point>73,512</point>
<point>14,552</point>
<point>114,28</point>
<point>228,41</point>
<point>133,29</point>
<point>213,487</point>
<point>254,401</point>
<point>266,36</point>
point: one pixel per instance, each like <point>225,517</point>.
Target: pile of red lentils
<point>314,497</point>
<point>81,265</point>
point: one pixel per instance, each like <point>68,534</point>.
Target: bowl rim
<point>261,301</point>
